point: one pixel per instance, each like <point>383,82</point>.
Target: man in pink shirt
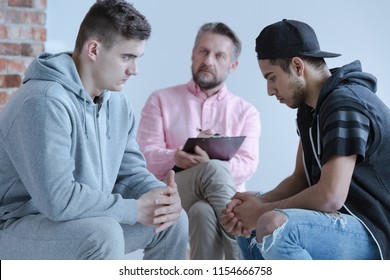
<point>201,108</point>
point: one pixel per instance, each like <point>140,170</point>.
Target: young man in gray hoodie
<point>73,183</point>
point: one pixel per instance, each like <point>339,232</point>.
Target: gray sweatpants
<point>37,237</point>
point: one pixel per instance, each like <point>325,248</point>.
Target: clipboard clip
<point>216,135</point>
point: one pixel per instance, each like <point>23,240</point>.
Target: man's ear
<point>92,49</point>
<point>193,55</point>
<point>233,66</point>
<point>298,66</point>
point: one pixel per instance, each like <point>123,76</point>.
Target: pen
<point>214,135</point>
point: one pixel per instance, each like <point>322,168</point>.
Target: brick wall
<point>22,36</point>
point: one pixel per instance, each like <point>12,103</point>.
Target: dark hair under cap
<point>289,38</point>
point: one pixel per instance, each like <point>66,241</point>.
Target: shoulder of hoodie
<point>348,96</point>
<point>36,92</point>
<point>43,89</point>
<point>57,92</point>
<point>27,97</point>
<point>351,87</point>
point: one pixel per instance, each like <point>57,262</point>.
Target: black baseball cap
<point>289,38</point>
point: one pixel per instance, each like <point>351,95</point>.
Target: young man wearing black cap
<point>336,204</point>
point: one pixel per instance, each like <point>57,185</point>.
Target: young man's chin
<point>116,88</point>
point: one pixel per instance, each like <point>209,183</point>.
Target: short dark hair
<point>284,63</point>
<point>110,19</point>
<point>221,29</point>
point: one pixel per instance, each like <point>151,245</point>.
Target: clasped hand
<point>160,207</point>
<point>241,214</point>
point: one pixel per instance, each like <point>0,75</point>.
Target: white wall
<point>358,29</point>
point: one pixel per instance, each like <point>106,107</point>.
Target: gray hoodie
<point>63,157</point>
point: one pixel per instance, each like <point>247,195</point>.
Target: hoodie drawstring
<point>100,100</point>
<point>316,152</point>
<point>108,120</point>
<point>85,115</point>
<point>318,136</point>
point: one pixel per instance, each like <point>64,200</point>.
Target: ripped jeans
<point>308,235</point>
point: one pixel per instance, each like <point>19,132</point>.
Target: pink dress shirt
<point>173,114</point>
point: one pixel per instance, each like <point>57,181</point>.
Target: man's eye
<point>220,56</point>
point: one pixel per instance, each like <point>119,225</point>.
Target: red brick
<point>25,33</point>
<point>18,65</point>
<point>20,3</point>
<point>10,81</point>
<point>26,17</point>
<point>3,32</point>
<point>10,49</point>
<point>39,34</point>
<point>11,32</point>
<point>31,49</point>
<point>3,64</point>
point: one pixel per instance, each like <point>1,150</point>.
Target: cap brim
<point>320,54</point>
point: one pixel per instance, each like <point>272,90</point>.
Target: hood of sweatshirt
<point>350,74</point>
<point>59,68</point>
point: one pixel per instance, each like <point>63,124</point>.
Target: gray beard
<point>206,84</point>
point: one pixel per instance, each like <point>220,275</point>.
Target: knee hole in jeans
<point>268,223</point>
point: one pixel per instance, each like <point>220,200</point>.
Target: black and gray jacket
<point>350,119</point>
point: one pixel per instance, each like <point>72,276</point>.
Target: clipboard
<point>217,147</point>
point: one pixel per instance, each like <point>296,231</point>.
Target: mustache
<point>206,68</point>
